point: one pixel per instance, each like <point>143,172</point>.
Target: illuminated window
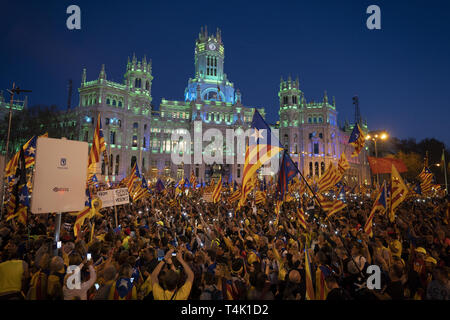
<point>134,141</point>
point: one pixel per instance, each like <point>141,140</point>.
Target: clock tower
<point>209,71</point>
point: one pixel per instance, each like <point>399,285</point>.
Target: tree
<point>413,162</point>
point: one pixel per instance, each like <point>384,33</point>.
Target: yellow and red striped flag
<point>29,150</point>
<point>134,176</point>
<point>379,204</point>
<point>217,191</point>
<point>343,164</point>
<point>98,145</point>
<point>260,197</point>
<point>331,207</point>
<point>301,216</point>
<point>236,195</point>
<point>193,179</point>
<point>261,148</point>
<point>357,140</point>
<point>329,178</point>
<point>308,275</point>
<point>399,191</point>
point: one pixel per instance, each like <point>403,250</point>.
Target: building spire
<point>325,97</point>
<point>83,77</point>
<point>102,73</point>
<point>334,102</point>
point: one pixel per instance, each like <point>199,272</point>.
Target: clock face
<point>212,46</point>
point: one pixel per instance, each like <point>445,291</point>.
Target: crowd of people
<point>168,247</point>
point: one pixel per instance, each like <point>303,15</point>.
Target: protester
<point>179,247</point>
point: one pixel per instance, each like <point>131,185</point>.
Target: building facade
<point>135,130</point>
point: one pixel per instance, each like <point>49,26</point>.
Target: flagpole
<point>445,172</point>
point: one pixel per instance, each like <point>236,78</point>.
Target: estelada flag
<point>384,165</point>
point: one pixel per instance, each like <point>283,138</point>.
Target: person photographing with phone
<point>170,289</point>
<point>81,292</point>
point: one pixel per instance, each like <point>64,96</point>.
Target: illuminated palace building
<point>136,131</point>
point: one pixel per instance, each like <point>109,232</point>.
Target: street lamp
<point>375,136</point>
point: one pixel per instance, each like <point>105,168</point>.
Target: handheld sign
<point>113,197</point>
<point>59,183</point>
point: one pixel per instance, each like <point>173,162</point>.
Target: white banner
<point>113,197</point>
<point>59,182</point>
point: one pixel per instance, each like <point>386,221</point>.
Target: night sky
<point>401,73</point>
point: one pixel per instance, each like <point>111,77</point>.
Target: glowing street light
<point>375,136</point>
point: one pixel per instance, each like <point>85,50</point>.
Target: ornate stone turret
<point>102,75</point>
<point>238,96</point>
<point>325,97</point>
<point>83,77</point>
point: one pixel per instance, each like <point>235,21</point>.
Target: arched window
<point>310,169</point>
<point>114,102</point>
<point>135,125</point>
<point>112,137</point>
<point>103,167</point>
<point>117,165</point>
<point>133,161</point>
<point>322,168</point>
<point>147,86</point>
<point>316,168</point>
<point>108,101</point>
<point>144,143</point>
<point>134,142</point>
<point>120,103</point>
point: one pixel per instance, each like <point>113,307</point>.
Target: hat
<point>430,259</point>
<point>160,223</point>
<point>247,222</point>
<point>421,250</point>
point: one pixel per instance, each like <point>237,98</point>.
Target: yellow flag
<point>399,191</point>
